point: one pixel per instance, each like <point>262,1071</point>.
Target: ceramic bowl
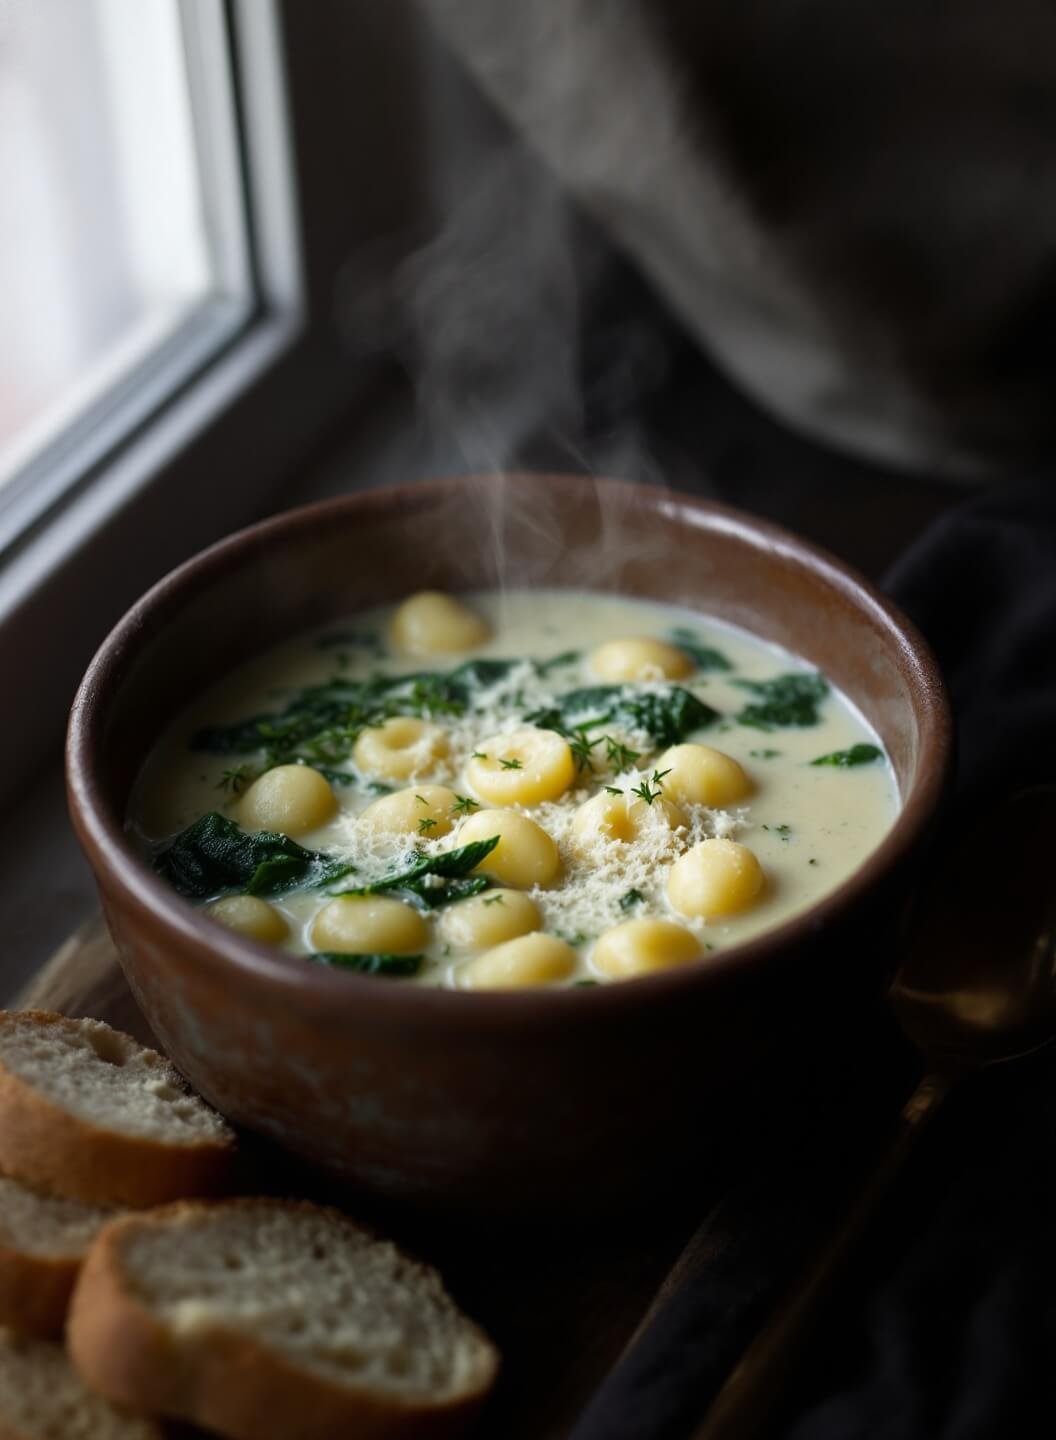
<point>503,1100</point>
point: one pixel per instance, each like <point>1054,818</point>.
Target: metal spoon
<point>977,986</point>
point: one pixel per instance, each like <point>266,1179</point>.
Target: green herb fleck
<point>651,791</point>
<point>494,899</point>
<point>613,790</point>
<point>783,832</point>
<point>631,899</point>
<point>764,754</point>
<point>812,862</point>
<point>620,757</point>
<point>426,824</point>
<point>856,755</point>
<point>567,657</point>
<point>236,780</point>
<point>786,700</point>
<point>579,984</point>
<point>512,764</point>
<point>464,805</point>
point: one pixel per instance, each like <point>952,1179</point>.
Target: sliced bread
<point>43,1398</point>
<point>43,1241</point>
<point>89,1113</point>
<point>274,1320</point>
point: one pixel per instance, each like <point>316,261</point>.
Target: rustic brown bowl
<point>501,1100</point>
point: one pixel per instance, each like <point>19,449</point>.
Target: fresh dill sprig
<point>651,791</point>
<point>236,780</point>
<point>512,764</point>
<point>464,805</point>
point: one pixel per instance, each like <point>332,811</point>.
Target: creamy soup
<point>532,788</point>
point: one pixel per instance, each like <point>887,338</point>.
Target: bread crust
<point>44,1145</point>
<point>227,1382</point>
<point>35,1292</point>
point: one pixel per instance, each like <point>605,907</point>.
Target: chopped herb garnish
<point>621,757</point>
<point>479,755</point>
<point>393,966</point>
<point>705,657</point>
<point>377,788</point>
<point>464,805</point>
<point>576,939</point>
<point>579,984</point>
<point>215,857</point>
<point>236,781</point>
<point>512,764</point>
<point>613,790</point>
<point>494,899</point>
<point>812,862</point>
<point>581,747</point>
<point>783,831</point>
<point>764,754</point>
<point>631,899</point>
<point>434,880</point>
<point>426,824</point>
<point>856,755</point>
<point>651,791</point>
<point>784,700</point>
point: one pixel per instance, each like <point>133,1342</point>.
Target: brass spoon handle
<point>748,1400</point>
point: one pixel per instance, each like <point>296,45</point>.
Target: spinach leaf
<point>785,700</point>
<point>214,857</point>
<point>320,723</point>
<point>435,880</point>
<point>705,657</point>
<point>393,966</point>
<point>668,716</point>
<point>856,755</point>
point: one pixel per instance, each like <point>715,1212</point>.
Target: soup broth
<point>532,788</point>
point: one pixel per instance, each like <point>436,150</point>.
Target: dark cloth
<point>947,1330</point>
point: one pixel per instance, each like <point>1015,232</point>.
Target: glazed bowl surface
<point>500,1101</point>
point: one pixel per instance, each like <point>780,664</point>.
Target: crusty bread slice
<point>89,1113</point>
<point>274,1320</point>
<point>43,1398</point>
<point>43,1242</point>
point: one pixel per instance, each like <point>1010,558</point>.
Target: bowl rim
<point>105,841</point>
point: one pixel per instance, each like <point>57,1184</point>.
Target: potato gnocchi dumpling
<point>525,855</point>
<point>250,916</point>
<point>640,947</point>
<point>524,768</point>
<point>515,790</point>
<point>427,810</point>
<point>640,658</point>
<point>518,964</point>
<point>489,919</point>
<point>715,878</point>
<point>434,624</point>
<point>699,775</point>
<point>291,799</point>
<point>399,748</point>
<point>369,924</point>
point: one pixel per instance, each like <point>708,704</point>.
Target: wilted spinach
<point>215,857</point>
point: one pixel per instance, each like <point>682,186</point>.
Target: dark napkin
<point>946,1329</point>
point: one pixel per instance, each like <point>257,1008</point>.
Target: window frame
<point>270,385</point>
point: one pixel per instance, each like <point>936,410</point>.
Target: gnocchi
<point>291,799</point>
<point>489,919</point>
<point>533,789</point>
<point>368,924</point>
<point>250,916</point>
<point>400,748</point>
<point>426,810</point>
<point>715,878</point>
<point>641,947</point>
<point>524,768</point>
<point>640,658</point>
<point>521,963</point>
<point>430,623</point>
<point>525,855</point>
